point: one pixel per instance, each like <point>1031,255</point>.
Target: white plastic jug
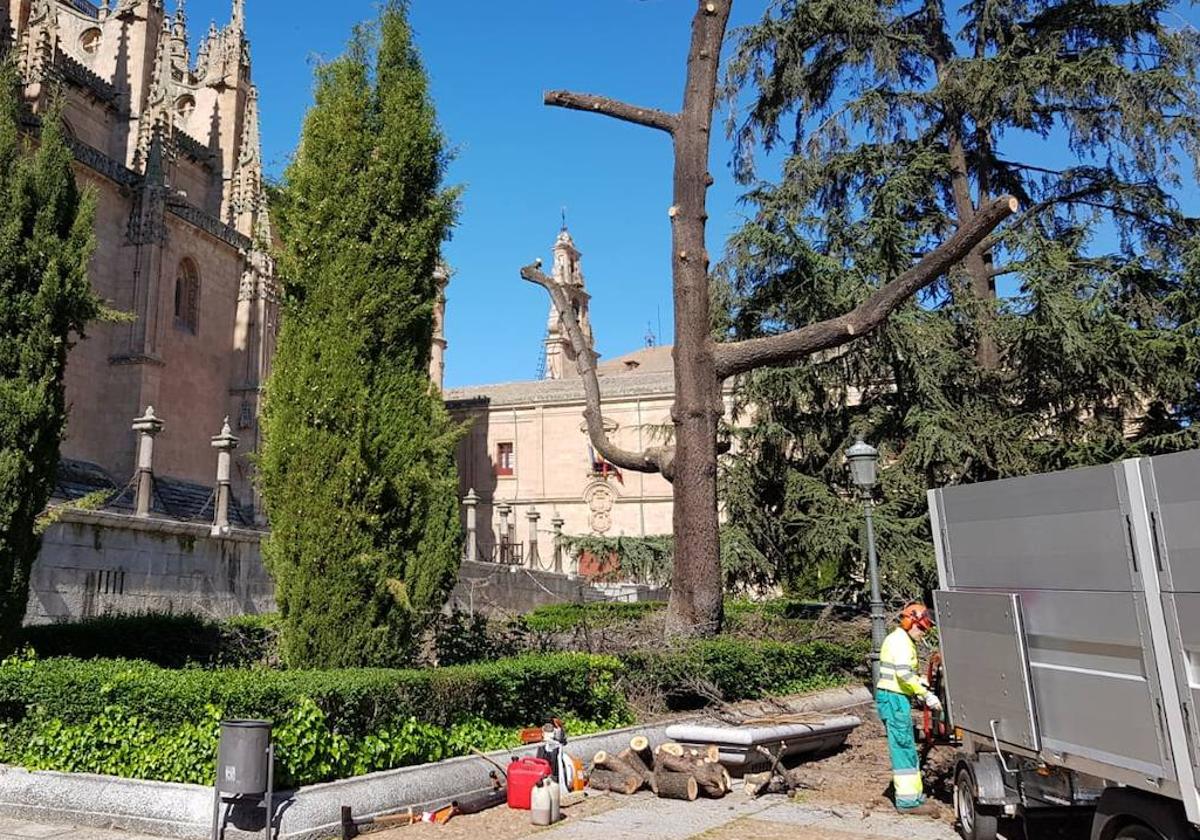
<point>539,802</point>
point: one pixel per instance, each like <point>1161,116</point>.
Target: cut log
<point>601,779</point>
<point>670,748</point>
<point>641,746</point>
<point>634,761</point>
<point>614,763</point>
<point>712,754</point>
<point>711,779</point>
<point>676,785</point>
<point>676,763</point>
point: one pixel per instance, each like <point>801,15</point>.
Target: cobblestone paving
<point>12,829</point>
<point>641,817</point>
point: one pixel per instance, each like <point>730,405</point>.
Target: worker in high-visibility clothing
<point>900,683</point>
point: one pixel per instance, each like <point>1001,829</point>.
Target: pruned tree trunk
<point>697,590</point>
<point>701,365</point>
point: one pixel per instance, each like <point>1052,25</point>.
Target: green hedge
<point>166,639</point>
<point>136,719</point>
<point>738,670</point>
<point>357,701</point>
<point>558,618</point>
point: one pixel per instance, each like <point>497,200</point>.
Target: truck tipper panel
<point>1063,546</point>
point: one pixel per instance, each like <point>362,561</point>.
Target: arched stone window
<point>89,41</point>
<point>184,106</point>
<point>187,297</point>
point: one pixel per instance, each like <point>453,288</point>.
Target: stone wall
<point>509,590</point>
<point>95,562</point>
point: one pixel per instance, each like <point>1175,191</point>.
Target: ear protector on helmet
<point>916,615</point>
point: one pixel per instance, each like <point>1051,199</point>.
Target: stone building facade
<point>526,462</point>
<point>169,145</point>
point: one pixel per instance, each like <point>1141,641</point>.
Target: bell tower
<point>568,273</point>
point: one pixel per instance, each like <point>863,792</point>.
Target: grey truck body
<point>1069,620</point>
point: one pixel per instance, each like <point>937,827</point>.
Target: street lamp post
<point>864,462</point>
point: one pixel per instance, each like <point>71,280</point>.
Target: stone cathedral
<point>170,146</point>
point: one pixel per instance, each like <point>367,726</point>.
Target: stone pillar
<point>224,443</point>
<point>533,516</point>
<point>504,509</point>
<point>437,354</point>
<point>470,502</point>
<point>558,523</point>
<point>146,426</point>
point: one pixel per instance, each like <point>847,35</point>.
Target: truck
<point>1068,616</point>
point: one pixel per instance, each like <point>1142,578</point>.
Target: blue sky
<point>520,162</point>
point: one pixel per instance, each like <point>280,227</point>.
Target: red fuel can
<point>523,774</point>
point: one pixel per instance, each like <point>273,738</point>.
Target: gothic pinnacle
<point>179,22</point>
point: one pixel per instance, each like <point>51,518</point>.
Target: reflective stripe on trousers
<point>895,710</point>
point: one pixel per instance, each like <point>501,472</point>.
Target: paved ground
<point>11,829</point>
<point>608,817</point>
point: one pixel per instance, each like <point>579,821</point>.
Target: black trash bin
<point>245,756</point>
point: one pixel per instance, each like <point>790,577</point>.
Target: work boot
<point>925,809</point>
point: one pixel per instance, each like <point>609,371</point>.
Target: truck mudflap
<point>1119,807</point>
<point>990,789</point>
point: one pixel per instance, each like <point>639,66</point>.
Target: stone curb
<point>311,813</point>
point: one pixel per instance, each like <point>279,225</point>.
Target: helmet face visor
<point>918,616</point>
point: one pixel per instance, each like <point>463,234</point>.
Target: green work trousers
<point>895,710</point>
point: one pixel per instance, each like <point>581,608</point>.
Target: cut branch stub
<point>653,460</point>
<point>743,356</point>
<point>649,117</point>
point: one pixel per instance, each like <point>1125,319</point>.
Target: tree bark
<point>676,785</point>
<point>635,763</point>
<point>640,746</point>
<point>695,606</point>
<point>978,263</point>
<point>601,779</point>
<point>743,356</point>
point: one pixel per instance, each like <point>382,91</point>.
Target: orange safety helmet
<point>916,615</point>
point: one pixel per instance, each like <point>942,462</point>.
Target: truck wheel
<point>1137,831</point>
<point>974,823</point>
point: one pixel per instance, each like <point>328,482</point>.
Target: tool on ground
<point>565,768</point>
<point>490,761</point>
<point>472,804</point>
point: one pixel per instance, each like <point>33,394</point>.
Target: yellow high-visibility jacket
<point>898,666</point>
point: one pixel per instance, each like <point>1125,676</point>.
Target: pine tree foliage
<point>897,119</point>
<point>357,472</point>
<point>46,241</point>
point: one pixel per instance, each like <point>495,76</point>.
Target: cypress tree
<point>46,241</point>
<point>358,472</point>
<point>897,121</point>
